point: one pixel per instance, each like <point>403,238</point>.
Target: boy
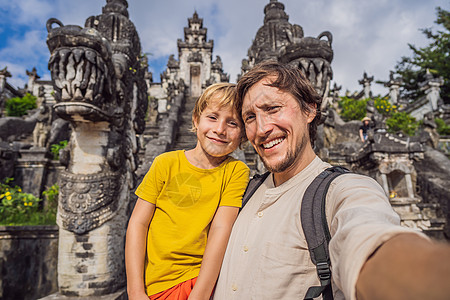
<point>187,205</point>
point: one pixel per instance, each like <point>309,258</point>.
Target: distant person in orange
<point>364,128</point>
<point>188,202</point>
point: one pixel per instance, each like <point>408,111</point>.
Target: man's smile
<point>273,143</point>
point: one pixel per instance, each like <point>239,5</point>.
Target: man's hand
<point>406,267</point>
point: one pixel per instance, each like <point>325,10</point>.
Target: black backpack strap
<point>252,186</point>
<point>315,227</point>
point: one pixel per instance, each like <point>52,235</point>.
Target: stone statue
<point>43,124</point>
<point>3,75</point>
<point>432,88</point>
<point>98,77</point>
<point>32,76</point>
<point>365,82</point>
<point>429,126</point>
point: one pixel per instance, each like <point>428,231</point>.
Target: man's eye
<point>273,108</point>
<point>249,118</point>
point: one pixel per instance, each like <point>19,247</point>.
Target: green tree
<point>19,208</point>
<point>55,148</point>
<point>384,107</point>
<point>442,127</point>
<point>434,57</point>
<point>352,109</point>
<point>17,106</point>
<point>402,122</point>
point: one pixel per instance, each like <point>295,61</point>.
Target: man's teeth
<point>272,143</point>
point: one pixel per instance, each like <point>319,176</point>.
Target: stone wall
<point>28,261</point>
<point>433,174</point>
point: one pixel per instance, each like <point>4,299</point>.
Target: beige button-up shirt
<point>267,255</point>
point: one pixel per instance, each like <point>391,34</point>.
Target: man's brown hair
<point>287,79</point>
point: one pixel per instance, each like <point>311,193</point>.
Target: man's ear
<point>311,113</point>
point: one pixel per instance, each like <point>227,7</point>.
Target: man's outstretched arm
<point>406,267</point>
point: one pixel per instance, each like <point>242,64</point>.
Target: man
<point>267,257</point>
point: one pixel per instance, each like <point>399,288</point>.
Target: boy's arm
<point>406,267</point>
<point>135,247</point>
<point>219,233</point>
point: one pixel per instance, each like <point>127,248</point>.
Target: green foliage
<point>51,202</point>
<point>384,107</point>
<point>19,208</point>
<point>402,122</point>
<point>17,107</point>
<point>54,149</point>
<point>433,57</point>
<point>442,128</point>
<point>352,109</point>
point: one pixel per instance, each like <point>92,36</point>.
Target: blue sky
<point>368,36</point>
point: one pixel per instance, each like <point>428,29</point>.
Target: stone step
<point>186,138</point>
<point>181,146</point>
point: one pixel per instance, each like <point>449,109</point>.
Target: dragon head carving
<point>98,77</point>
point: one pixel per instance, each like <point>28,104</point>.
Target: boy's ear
<point>194,123</point>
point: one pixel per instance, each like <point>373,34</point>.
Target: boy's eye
<point>212,117</point>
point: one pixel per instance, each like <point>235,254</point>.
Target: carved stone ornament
<point>282,41</point>
<point>195,57</point>
<point>82,72</point>
<point>88,201</point>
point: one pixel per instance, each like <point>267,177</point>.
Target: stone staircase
<point>251,159</point>
<point>185,139</point>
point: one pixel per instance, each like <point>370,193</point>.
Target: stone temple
<point>102,99</point>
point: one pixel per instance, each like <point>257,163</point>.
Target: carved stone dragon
<point>282,41</point>
<point>98,77</point>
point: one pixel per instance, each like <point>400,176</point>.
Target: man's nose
<point>263,124</point>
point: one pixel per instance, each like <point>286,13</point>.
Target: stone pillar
<point>409,185</point>
<point>93,261</point>
<point>394,88</point>
<point>433,93</point>
<point>384,182</point>
<point>31,170</point>
<point>394,93</point>
<point>365,82</point>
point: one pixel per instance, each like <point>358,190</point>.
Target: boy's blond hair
<point>222,94</point>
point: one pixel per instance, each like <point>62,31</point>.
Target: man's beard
<point>289,159</point>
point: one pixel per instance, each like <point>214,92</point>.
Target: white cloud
<point>29,12</point>
<point>368,35</point>
<point>18,71</point>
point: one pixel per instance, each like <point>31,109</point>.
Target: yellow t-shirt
<point>186,199</point>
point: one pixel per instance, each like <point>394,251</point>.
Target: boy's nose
<point>220,128</point>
